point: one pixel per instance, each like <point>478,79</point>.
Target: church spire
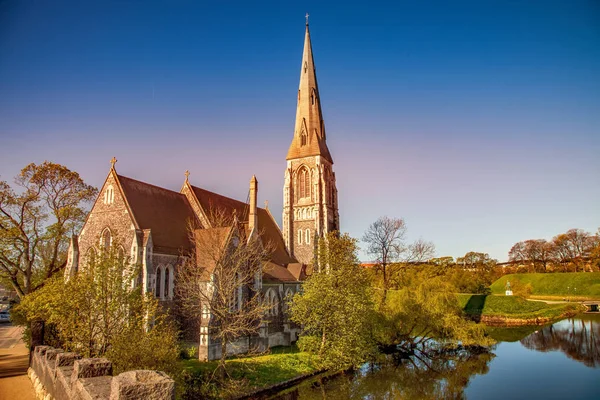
<point>309,132</point>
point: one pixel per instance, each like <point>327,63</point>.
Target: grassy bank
<point>513,309</point>
<point>571,285</point>
<point>252,373</point>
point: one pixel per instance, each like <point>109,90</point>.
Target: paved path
<point>14,360</point>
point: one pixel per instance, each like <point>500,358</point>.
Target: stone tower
<point>310,207</point>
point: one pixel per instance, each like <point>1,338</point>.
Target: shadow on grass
<point>475,305</point>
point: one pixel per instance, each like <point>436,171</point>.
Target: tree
<point>425,315</point>
<point>573,247</point>
<point>536,252</point>
<point>335,305</point>
<point>477,261</point>
<point>35,222</point>
<point>385,240</point>
<point>421,251</point>
<point>99,312</point>
<point>222,270</point>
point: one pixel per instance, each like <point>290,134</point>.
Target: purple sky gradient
<point>477,123</point>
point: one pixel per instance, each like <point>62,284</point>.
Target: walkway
<point>14,361</point>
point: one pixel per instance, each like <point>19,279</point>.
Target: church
<point>152,222</point>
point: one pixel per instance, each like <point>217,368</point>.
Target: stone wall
<point>67,376</point>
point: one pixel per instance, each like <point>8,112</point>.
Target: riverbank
<point>573,286</point>
<point>251,374</point>
<point>494,310</point>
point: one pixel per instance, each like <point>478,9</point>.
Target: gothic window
<point>158,282</point>
<point>288,298</point>
<point>105,239</point>
<point>91,256</point>
<point>109,195</point>
<point>305,66</point>
<point>303,139</point>
<point>299,236</point>
<point>307,236</point>
<point>304,213</point>
<point>167,292</point>
<point>303,183</point>
<point>312,98</point>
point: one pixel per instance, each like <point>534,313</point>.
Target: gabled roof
<point>210,245</point>
<point>267,227</point>
<point>165,212</point>
<point>276,273</point>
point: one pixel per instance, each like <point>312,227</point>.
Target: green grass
<point>573,285</point>
<point>281,364</point>
<point>512,307</point>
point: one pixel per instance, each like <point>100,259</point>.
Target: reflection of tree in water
<point>445,375</point>
<point>579,339</point>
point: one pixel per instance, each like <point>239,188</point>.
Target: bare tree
<point>217,283</point>
<point>421,251</point>
<point>35,221</point>
<point>536,252</point>
<point>385,239</point>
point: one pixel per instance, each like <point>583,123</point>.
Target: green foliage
<point>99,312</point>
<point>250,373</point>
<point>336,305</point>
<point>425,308</point>
<point>561,285</point>
<point>36,217</point>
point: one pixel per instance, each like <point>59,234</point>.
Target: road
<point>14,360</point>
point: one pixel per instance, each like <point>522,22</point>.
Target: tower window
<point>307,236</point>
<point>303,139</point>
<point>303,183</point>
<point>299,236</point>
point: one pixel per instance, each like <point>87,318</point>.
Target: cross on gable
<point>306,18</point>
<point>113,161</point>
<point>187,174</point>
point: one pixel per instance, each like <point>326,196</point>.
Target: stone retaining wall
<point>67,376</point>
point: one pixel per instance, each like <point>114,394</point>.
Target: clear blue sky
<point>476,121</point>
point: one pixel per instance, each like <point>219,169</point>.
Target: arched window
<point>303,139</point>
<point>158,282</point>
<point>303,180</point>
<point>105,239</point>
<point>299,236</point>
<point>91,256</point>
<point>304,213</point>
<point>167,292</point>
<point>272,302</point>
<point>312,97</point>
<point>307,236</point>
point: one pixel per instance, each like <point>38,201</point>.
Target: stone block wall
<point>67,376</point>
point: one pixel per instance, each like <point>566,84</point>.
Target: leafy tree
<point>99,312</point>
<point>335,305</point>
<point>425,312</point>
<point>35,221</point>
<point>475,260</point>
<point>573,247</point>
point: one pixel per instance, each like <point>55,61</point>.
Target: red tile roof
<point>165,212</point>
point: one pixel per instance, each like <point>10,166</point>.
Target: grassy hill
<point>574,285</point>
<point>512,307</point>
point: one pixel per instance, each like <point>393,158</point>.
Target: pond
<point>558,361</point>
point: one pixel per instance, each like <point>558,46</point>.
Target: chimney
<point>253,219</point>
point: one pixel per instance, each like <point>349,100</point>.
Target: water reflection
<point>578,338</point>
<point>441,375</point>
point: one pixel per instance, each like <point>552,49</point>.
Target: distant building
<point>152,222</point>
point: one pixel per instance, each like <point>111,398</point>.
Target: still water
<point>559,361</point>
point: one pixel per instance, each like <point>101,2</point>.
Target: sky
<point>478,122</point>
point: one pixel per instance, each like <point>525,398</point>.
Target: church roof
<point>165,212</point>
<point>267,228</point>
<point>309,132</point>
<point>210,245</point>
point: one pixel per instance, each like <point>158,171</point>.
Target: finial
<point>187,175</point>
<point>306,19</point>
<point>266,204</point>
<point>113,161</point>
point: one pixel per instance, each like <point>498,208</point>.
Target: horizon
<point>477,124</point>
